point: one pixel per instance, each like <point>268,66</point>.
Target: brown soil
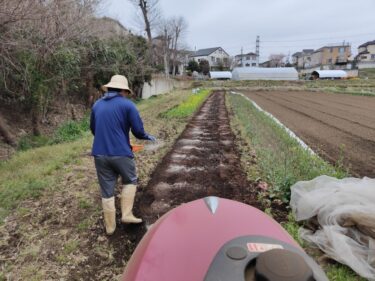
<point>203,162</point>
<point>334,125</point>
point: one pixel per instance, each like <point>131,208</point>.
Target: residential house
<point>334,56</point>
<point>267,63</point>
<point>302,60</point>
<point>246,60</point>
<point>295,58</point>
<point>366,55</point>
<point>217,58</point>
<point>272,64</point>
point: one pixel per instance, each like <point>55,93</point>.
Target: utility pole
<point>257,50</point>
<point>241,56</point>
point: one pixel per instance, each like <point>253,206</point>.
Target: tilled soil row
<point>203,162</point>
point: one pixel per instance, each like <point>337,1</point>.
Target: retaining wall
<point>161,85</point>
<point>363,65</point>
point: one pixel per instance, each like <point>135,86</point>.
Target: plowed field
<point>203,162</point>
<point>333,125</point>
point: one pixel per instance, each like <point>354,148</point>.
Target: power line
<point>322,38</point>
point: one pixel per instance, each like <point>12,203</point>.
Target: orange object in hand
<point>137,147</point>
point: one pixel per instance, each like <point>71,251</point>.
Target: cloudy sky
<point>284,26</point>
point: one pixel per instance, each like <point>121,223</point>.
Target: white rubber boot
<point>109,213</point>
<point>127,202</point>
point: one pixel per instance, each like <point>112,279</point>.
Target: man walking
<point>112,117</point>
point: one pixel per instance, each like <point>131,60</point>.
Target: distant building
<point>246,60</point>
<point>266,64</point>
<point>217,58</point>
<point>332,57</point>
<point>302,59</point>
<point>366,55</point>
<point>107,28</point>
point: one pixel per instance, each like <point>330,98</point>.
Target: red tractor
<point>215,239</point>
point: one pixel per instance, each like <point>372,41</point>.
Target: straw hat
<point>118,82</point>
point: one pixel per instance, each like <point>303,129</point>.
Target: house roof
<point>206,52</point>
<point>297,54</point>
<point>333,46</point>
<point>248,54</point>
<point>307,51</point>
<point>363,53</point>
<point>367,44</point>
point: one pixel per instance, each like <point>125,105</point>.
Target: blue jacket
<point>112,117</point>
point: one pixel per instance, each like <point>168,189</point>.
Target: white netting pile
<point>345,210</point>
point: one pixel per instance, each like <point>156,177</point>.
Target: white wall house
<point>366,55</point>
<point>303,59</point>
<point>246,60</point>
<point>216,57</point>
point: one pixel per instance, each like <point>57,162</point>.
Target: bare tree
<point>179,27</point>
<point>31,32</point>
<point>166,36</point>
<point>276,60</point>
<point>151,16</point>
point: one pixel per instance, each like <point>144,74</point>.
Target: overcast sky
<point>284,26</point>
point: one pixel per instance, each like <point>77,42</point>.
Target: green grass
<point>282,162</point>
<point>67,132</point>
<point>29,141</point>
<point>71,130</point>
<point>28,173</point>
<point>337,272</point>
<point>188,107</point>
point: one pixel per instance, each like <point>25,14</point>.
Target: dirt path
<point>203,162</point>
<point>331,124</point>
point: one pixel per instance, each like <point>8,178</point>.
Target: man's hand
<point>151,138</point>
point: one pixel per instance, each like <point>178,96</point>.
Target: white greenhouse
<point>221,75</point>
<point>260,73</point>
<point>329,74</point>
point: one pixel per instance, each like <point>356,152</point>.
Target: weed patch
<point>71,130</point>
<point>67,132</point>
<point>29,141</point>
<point>188,107</point>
